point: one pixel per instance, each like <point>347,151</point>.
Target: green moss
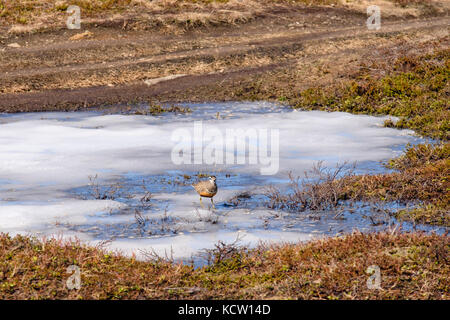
<point>419,96</point>
<point>421,180</point>
<point>435,214</point>
<point>420,155</point>
<point>156,109</point>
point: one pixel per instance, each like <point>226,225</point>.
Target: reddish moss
<point>413,266</point>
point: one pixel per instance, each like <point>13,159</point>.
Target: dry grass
<point>319,189</point>
<point>422,179</point>
<point>399,8</point>
<point>413,266</point>
<point>138,13</point>
<point>156,109</point>
<point>420,155</point>
<point>31,15</point>
<point>427,183</point>
<point>413,88</point>
<point>422,182</point>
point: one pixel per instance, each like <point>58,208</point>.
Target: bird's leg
<point>213,203</point>
<point>201,203</point>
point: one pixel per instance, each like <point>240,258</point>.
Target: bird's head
<point>212,178</point>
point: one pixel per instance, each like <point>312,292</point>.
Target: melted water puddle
<point>101,177</point>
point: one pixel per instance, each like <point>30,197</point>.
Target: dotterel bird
<point>207,189</point>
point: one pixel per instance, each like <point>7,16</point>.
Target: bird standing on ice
<point>207,189</point>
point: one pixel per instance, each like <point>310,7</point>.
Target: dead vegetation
<point>171,15</point>
<point>413,266</point>
<point>162,225</point>
<point>157,109</point>
<point>422,181</point>
<point>413,87</point>
<point>223,252</point>
<point>23,16</point>
<point>420,155</point>
<point>98,192</point>
<point>319,189</point>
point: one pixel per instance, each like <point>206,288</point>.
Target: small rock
<point>80,36</point>
<point>14,45</point>
<point>151,82</point>
<point>61,5</point>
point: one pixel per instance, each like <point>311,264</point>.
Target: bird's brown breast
<point>207,194</point>
<point>206,189</point>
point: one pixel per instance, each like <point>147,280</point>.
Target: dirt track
<point>50,72</point>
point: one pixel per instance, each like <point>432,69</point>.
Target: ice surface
<point>45,156</point>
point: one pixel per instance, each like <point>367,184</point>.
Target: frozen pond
<point>117,177</point>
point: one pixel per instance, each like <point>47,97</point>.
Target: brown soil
<point>301,47</point>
